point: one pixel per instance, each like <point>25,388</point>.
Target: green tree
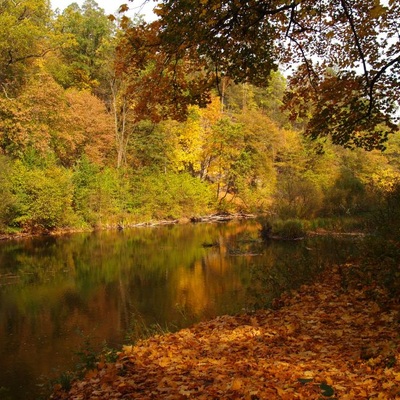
<point>102,196</point>
<point>268,100</point>
<point>84,58</point>
<point>169,195</point>
<point>24,38</point>
<point>299,187</point>
<point>150,147</point>
<point>255,172</point>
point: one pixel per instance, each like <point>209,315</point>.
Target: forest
<point>283,109</point>
<point>94,134</point>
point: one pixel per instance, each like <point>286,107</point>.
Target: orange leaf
<point>237,384</point>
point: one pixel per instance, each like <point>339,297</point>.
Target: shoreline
<point>320,341</point>
<point>222,217</point>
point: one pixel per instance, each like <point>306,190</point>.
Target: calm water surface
<point>57,294</point>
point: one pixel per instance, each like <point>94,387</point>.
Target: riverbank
<point>121,226</point>
<point>332,339</point>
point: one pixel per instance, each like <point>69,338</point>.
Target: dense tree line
<point>93,132</point>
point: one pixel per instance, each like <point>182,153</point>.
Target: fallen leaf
<point>237,384</point>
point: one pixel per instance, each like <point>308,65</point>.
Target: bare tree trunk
<point>120,123</point>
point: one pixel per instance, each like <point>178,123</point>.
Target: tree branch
<point>357,40</point>
<point>377,77</point>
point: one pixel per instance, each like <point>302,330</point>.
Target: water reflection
<point>55,292</point>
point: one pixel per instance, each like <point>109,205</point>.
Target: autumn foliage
<point>325,340</point>
<point>343,57</point>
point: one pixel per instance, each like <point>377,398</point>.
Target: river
<point>60,296</point>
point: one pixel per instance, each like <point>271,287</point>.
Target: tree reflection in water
<point>114,286</point>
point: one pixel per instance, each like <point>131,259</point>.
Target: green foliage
<point>43,197</point>
<point>109,354</point>
<point>266,228</point>
<point>169,195</point>
<point>23,29</point>
<point>90,36</point>
<point>385,219</point>
<point>346,196</point>
<point>7,198</point>
<point>289,229</point>
<point>348,223</point>
<point>65,380</point>
<point>84,179</point>
<point>87,355</point>
<point>150,146</point>
<point>378,267</point>
<point>297,197</point>
<point>101,196</point>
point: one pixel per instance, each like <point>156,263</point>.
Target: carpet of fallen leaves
<point>320,342</point>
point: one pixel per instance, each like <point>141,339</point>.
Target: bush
<point>289,229</point>
<point>169,195</point>
<point>266,228</point>
<point>7,199</point>
<point>386,218</point>
<point>43,197</point>
<point>347,196</point>
<point>297,198</point>
<point>101,196</point>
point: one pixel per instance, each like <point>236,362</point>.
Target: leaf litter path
<point>322,342</point>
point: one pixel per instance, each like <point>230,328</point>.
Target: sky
<point>111,6</point>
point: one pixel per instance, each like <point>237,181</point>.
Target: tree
<point>187,143</point>
<point>24,38</point>
<point>87,130</point>
<point>90,34</point>
<point>162,84</point>
<point>51,122</point>
<point>347,53</point>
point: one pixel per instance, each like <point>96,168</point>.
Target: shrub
<point>297,198</point>
<point>7,199</point>
<point>289,229</point>
<point>43,197</point>
<point>347,196</point>
<point>266,228</point>
<point>169,195</point>
<point>101,196</point>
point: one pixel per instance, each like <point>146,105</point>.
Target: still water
<point>59,294</point>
